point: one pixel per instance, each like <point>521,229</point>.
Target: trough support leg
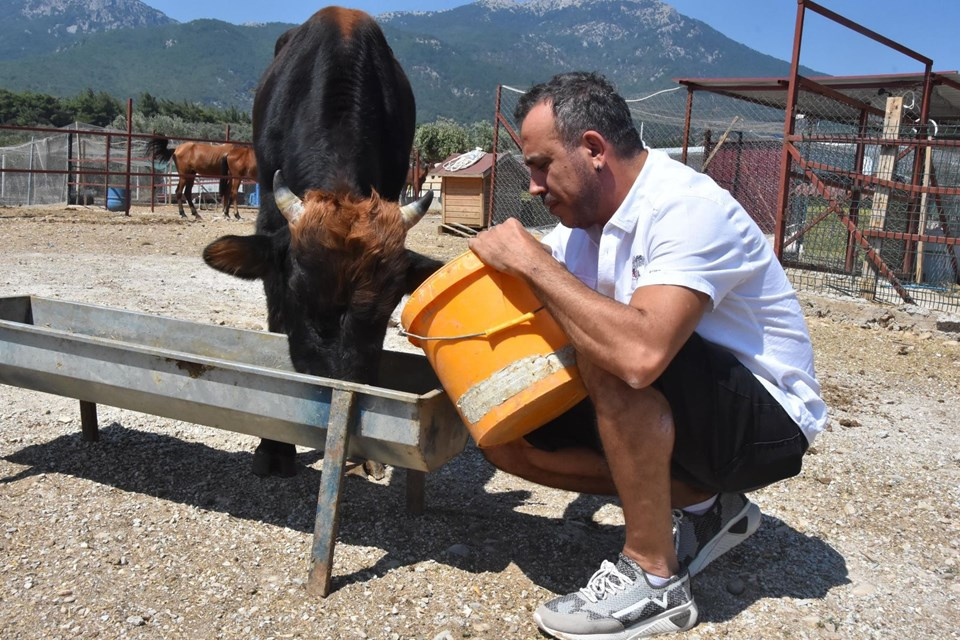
<point>342,415</point>
<point>89,428</point>
<point>415,489</point>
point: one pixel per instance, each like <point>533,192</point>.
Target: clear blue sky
<point>929,27</point>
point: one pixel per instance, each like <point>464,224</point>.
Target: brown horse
<point>238,164</point>
<point>191,159</point>
<point>416,176</point>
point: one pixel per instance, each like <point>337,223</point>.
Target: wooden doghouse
<point>465,193</point>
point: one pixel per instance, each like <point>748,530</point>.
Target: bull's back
<point>334,111</point>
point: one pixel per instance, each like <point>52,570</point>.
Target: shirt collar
<point>626,216</point>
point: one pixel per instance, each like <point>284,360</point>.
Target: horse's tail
<point>159,149</point>
<point>225,176</point>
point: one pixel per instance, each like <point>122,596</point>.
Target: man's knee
<point>613,399</point>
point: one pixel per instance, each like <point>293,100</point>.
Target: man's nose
<point>536,187</point>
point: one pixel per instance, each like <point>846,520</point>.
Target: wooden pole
<point>922,224</point>
<point>886,167</point>
<point>720,142</point>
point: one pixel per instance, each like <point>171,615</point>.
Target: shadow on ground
<point>464,524</point>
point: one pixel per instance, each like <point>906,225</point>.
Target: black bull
<point>334,114</point>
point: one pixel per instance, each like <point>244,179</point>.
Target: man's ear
<point>595,143</point>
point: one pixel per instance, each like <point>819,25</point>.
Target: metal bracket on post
<point>342,418</point>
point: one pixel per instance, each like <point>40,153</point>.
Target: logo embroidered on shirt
<point>638,263</point>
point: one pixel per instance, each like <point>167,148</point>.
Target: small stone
<point>736,586</point>
<point>136,621</point>
<point>863,589</point>
<point>459,550</point>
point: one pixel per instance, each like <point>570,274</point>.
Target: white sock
<point>701,507</point>
<point>656,581</point>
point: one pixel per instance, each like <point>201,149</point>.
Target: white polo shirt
<point>678,227</point>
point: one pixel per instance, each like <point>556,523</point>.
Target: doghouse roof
<point>870,90</point>
<point>479,169</point>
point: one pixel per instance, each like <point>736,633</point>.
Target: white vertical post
<point>30,175</point>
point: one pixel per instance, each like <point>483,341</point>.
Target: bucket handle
<point>480,334</point>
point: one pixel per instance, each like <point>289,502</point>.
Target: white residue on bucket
<point>502,385</point>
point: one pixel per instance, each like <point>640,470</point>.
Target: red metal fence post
<point>129,193</point>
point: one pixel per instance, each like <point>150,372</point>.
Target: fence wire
<point>838,194</point>
<point>82,164</point>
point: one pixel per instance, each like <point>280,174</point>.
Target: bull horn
<point>289,204</point>
<point>413,212</point>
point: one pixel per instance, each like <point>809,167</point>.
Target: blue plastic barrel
<point>253,199</point>
<point>117,199</point>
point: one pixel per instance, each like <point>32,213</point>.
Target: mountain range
<point>455,58</point>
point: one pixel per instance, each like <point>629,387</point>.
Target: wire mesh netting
<point>86,164</point>
<point>853,185</point>
<point>857,184</point>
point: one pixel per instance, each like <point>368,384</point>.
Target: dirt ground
<point>160,531</point>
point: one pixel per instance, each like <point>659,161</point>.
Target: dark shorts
<point>731,434</point>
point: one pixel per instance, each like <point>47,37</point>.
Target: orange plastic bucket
<point>501,357</point>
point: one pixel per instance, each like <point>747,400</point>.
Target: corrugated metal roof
<point>871,90</point>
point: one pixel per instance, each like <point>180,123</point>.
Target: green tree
<point>480,134</point>
<point>147,105</point>
<point>98,109</point>
<point>440,139</point>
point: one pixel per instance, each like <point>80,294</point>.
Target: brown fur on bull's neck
<point>347,19</point>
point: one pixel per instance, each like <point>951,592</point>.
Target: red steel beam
<point>862,30</point>
<point>788,128</point>
<point>872,254</point>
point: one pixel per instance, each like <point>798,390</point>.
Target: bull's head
<point>332,276</point>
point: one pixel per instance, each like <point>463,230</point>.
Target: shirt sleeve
<point>695,242</point>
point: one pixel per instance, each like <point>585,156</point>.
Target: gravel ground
<point>160,531</point>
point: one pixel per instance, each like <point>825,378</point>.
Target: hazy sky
<point>929,27</point>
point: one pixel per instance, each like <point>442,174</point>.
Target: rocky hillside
<point>455,58</point>
<point>32,27</point>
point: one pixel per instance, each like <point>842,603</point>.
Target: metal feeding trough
<point>237,380</point>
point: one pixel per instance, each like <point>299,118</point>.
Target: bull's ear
<point>241,256</point>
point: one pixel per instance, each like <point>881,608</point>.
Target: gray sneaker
<point>619,604</point>
<point>702,539</point>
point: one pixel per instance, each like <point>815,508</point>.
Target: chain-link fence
<point>86,164</point>
<point>861,218</point>
<point>78,164</point>
<point>852,183</point>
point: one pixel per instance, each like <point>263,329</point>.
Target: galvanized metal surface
<point>226,378</point>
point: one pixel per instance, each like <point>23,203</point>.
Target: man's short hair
<point>584,101</point>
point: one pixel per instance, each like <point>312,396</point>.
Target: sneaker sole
<point>680,618</point>
<point>727,538</point>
